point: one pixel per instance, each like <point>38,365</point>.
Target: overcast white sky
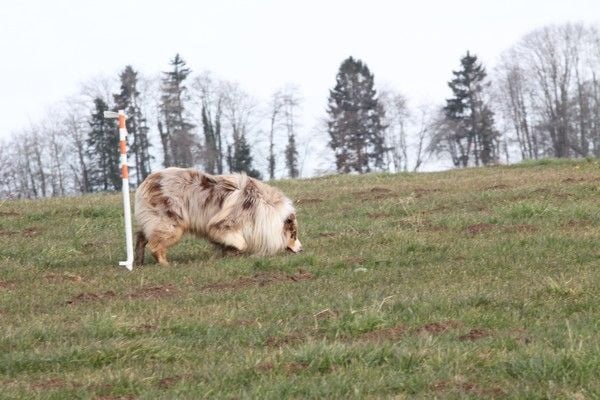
<point>49,47</point>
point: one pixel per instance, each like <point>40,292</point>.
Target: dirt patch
<point>420,192</point>
<point>380,190</point>
<point>169,381</point>
<point>327,234</point>
<point>437,328</point>
<point>527,228</point>
<point>146,328</point>
<point>291,368</point>
<point>31,232</point>
<point>8,233</point>
<point>541,191</point>
<point>283,341</point>
<point>308,201</point>
<point>355,261</point>
<point>89,297</point>
<point>379,335</point>
<point>577,224</point>
<point>474,334</point>
<point>375,193</point>
<point>9,214</point>
<point>294,368</point>
<point>437,209</point>
<point>479,228</point>
<point>499,186</point>
<point>152,292</point>
<point>260,279</point>
<point>9,285</point>
<point>572,180</point>
<point>264,367</point>
<point>96,244</point>
<point>55,383</point>
<point>66,277</point>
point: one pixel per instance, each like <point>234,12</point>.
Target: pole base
<point>127,264</point>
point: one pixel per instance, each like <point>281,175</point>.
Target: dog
<point>235,212</point>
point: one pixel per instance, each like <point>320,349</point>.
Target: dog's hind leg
<point>140,245</point>
<point>160,241</point>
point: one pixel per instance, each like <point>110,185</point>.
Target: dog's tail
<point>140,246</point>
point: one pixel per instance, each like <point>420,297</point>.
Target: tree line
<point>175,119</point>
<point>542,99</point>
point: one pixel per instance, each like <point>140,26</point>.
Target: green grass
<point>479,283</point>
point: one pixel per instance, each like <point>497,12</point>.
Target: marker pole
<point>125,177</point>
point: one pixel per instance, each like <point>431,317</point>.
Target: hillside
<point>479,283</point>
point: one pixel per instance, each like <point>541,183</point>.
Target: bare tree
<point>284,109</point>
<point>396,120</point>
<point>552,54</point>
<point>547,91</point>
<point>442,134</point>
<point>37,159</point>
<point>291,110</point>
<point>276,106</point>
<point>512,92</point>
<point>239,110</point>
<point>75,125</point>
<point>424,121</point>
<point>207,95</point>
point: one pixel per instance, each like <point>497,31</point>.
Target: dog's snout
<point>295,247</point>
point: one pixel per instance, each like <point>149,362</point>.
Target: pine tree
<point>291,157</point>
<point>355,115</point>
<point>128,100</point>
<point>102,150</point>
<point>176,132</point>
<point>240,159</point>
<point>474,134</point>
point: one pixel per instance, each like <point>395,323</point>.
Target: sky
<point>49,48</point>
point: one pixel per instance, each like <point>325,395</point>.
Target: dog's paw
<point>230,252</point>
<point>234,240</point>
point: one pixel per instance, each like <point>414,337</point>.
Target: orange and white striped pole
<point>125,177</point>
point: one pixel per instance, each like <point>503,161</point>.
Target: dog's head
<point>290,231</point>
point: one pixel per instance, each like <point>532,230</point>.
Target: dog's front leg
<point>233,239</point>
<point>227,233</point>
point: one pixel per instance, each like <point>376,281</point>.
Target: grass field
<point>478,283</point>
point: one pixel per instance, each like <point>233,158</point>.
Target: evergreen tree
<point>240,159</point>
<point>291,157</point>
<point>474,121</point>
<point>128,100</point>
<point>102,150</point>
<point>176,132</point>
<point>355,115</point>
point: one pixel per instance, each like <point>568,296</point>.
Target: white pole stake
<point>125,176</point>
